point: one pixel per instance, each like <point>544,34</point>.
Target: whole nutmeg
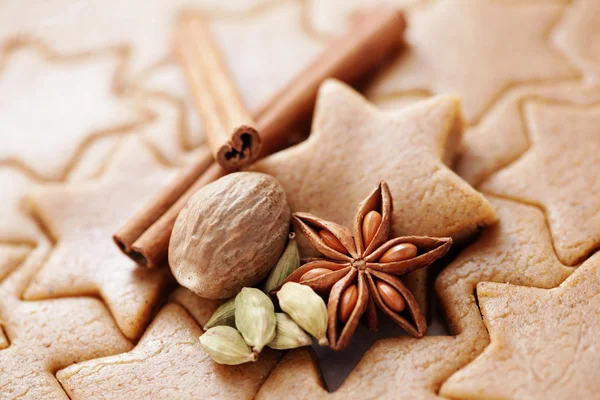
<point>230,233</point>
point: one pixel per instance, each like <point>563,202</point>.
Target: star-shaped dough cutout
<point>168,362</point>
<point>544,343</point>
<point>475,49</point>
<point>52,105</point>
<point>353,146</point>
<point>45,336</point>
<point>578,35</point>
<point>81,218</point>
<point>501,136</point>
<point>517,250</point>
<point>558,173</point>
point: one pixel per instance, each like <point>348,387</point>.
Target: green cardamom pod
<point>306,308</point>
<point>288,335</point>
<point>225,345</point>
<point>224,315</point>
<point>255,317</point>
<point>288,263</point>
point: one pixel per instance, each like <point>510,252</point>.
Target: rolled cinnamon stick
<point>371,40</point>
<point>229,127</point>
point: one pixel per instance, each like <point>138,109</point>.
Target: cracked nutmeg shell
<point>229,235</point>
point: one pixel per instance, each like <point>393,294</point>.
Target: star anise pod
<point>360,268</point>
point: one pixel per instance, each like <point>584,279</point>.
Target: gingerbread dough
<point>502,135</point>
<point>558,174</point>
<point>544,343</point>
<point>168,362</point>
<point>81,219</point>
<point>476,50</point>
<point>52,105</point>
<point>143,28</point>
<point>48,335</point>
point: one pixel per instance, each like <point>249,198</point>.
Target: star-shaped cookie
<point>544,343</point>
<point>45,336</point>
<point>475,49</point>
<point>501,135</point>
<point>167,363</point>
<point>81,218</point>
<point>517,250</point>
<point>559,174</point>
<point>53,105</point>
<point>353,146</point>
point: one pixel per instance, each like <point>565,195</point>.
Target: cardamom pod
<point>225,345</point>
<point>288,263</point>
<point>306,308</point>
<point>224,315</point>
<point>255,317</point>
<point>288,334</point>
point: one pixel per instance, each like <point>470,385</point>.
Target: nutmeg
<point>229,234</point>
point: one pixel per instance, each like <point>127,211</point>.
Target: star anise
<point>360,268</point>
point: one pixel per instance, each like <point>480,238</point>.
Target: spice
<point>363,267</point>
<point>288,263</point>
<point>229,235</point>
<point>255,318</point>
<point>306,308</point>
<point>224,315</point>
<point>288,334</point>
<point>225,345</point>
<point>230,130</point>
<point>145,237</point>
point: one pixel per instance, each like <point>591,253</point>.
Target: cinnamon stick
<point>371,40</point>
<point>229,127</point>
